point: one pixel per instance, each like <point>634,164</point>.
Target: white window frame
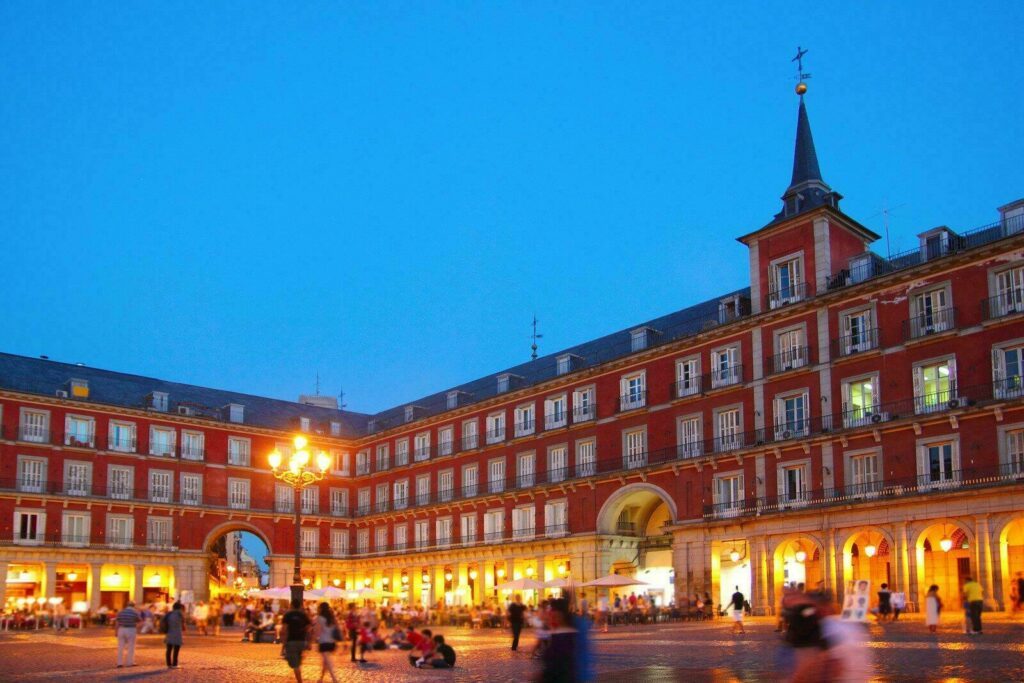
<point>802,470</point>
<point>401,533</point>
<point>496,428</point>
<point>401,452</point>
<point>33,473</point>
<point>526,469</point>
<point>400,493</point>
<point>468,528</point>
<point>470,434</point>
<point>586,457</point>
<point>864,481</point>
<point>382,496</point>
<point>423,489</point>
<point>239,451</point>
<point>525,416</point>
<point>1011,450</point>
<point>633,390</point>
<point>284,498</point>
<point>1008,382</point>
<point>127,444</point>
<point>494,525</point>
<point>939,400</point>
<point>1006,290</point>
<point>339,502</point>
<point>866,337</point>
<point>125,524</point>
<point>733,506</point>
<point>728,440</point>
<point>159,532</point>
<point>76,538</point>
<point>524,522</point>
<point>34,425</point>
<point>688,381</point>
<point>584,404</point>
<point>730,373</point>
<point>443,531</point>
<point>558,462</point>
<point>858,416</point>
<point>161,491</point>
<point>339,542</point>
<point>556,518</point>
<point>121,482</point>
<point>445,440</point>
<point>445,485</point>
<point>634,447</point>
<point>77,485</point>
<point>690,435</point>
<point>924,463</point>
<point>239,493</point>
<point>496,467</point>
<point>470,488</point>
<point>787,427</point>
<point>158,447</point>
<point>186,493</point>
<point>29,538</point>
<point>310,500</point>
<point>193,444</point>
<point>76,438</point>
<point>781,293</point>
<point>309,539</point>
<point>791,349</point>
<point>382,455</point>
<point>556,411</point>
<point>421,450</point>
<point>930,306</point>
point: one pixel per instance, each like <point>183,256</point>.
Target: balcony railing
<point>556,530</point>
<point>633,400</point>
<point>791,359</point>
<point>852,344</point>
<point>925,324</point>
<point>626,528</point>
<point>192,452</point>
<point>686,387</point>
<point>556,420</point>
<point>524,427</point>
<point>122,444</point>
<point>723,377</point>
<point>469,442</point>
<point>1002,305</point>
<point>786,295</point>
<point>80,439</point>
<point>525,481</point>
<point>495,435</point>
<point>421,453</point>
<point>978,477</point>
<point>33,434</point>
<point>584,413</point>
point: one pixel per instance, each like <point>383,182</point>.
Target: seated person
<point>397,640</point>
<point>265,623</point>
<point>422,646</point>
<point>378,642</point>
<point>444,654</point>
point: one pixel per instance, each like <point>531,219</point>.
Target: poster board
<point>857,602</point>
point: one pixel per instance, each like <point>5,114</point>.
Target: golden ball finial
<point>801,88</point>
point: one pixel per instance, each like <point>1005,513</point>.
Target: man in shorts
<point>736,607</point>
<point>295,626</point>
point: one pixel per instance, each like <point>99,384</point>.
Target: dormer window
<point>936,242</point>
<point>158,400</point>
<point>639,339</point>
<point>410,413</point>
<point>563,364</point>
<point>236,413</point>
<point>304,424</point>
<point>336,428</point>
<point>78,388</point>
<point>503,383</point>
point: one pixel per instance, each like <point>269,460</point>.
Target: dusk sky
<point>241,195</point>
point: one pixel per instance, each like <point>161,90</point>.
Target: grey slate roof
<point>805,157</point>
<point>45,377</point>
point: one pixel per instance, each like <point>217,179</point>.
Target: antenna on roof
<point>317,382</point>
<point>341,399</point>
<point>534,337</point>
<point>884,213</point>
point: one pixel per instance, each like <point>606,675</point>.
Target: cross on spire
<point>799,59</point>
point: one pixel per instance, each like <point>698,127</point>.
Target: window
<point>401,536</point>
<point>79,431</point>
<point>238,494</point>
<point>586,458</point>
<point>1013,457</point>
<point>363,462</point>
<point>422,443</point>
<point>381,497</point>
<point>792,350</point>
<point>939,463</point>
<point>470,478</point>
<point>310,541</point>
<point>469,434</point>
<point>421,533</point>
<point>401,494</point>
<point>689,434</point>
<point>160,486</point>
<point>335,428</point>
<point>524,417</point>
<point>861,402</point>
<point>1009,292</point>
<point>563,364</point>
<point>191,488</point>
<point>158,400</point>
<point>632,391</point>
<point>452,400</point>
<point>792,479</point>
<point>583,405</point>
<point>284,498</point>
<point>121,437</point>
<point>934,386</point>
<point>634,448</point>
<point>339,542</point>
<point>523,522</point>
<point>120,530</point>
<point>363,501</point>
<point>236,413</point>
<point>443,530</point>
<point>75,529</point>
<point>496,475</point>
<point>728,428</point>
<point>362,541</point>
<point>380,541</point>
<point>791,416</point>
<point>238,451</point>
<point>341,461</point>
<point>728,494</point>
<point>31,474</point>
<point>161,441</point>
<point>558,463</point>
<point>931,313</point>
<point>555,413</point>
<point>1007,369</point>
<point>445,436</point>
<point>29,527</point>
<point>410,413</point>
<point>311,500</point>
<point>77,478</point>
<point>158,532</point>
<point>864,474</point>
<point>494,525</point>
<point>556,518</point>
<point>725,369</point>
<point>467,528</point>
<point>495,427</point>
<point>503,383</point>
<point>687,377</point>
<point>192,445</point>
<point>423,489</point>
<point>525,468</point>
<point>858,333</point>
<point>120,482</point>
<point>786,282</point>
<point>638,339</point>
<point>339,502</point>
<point>383,458</point>
<point>445,485</point>
<point>402,452</point>
<point>35,426</point>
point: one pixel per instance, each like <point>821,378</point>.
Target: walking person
<point>327,634</point>
<point>884,603</point>
<point>516,612</point>
<point>1018,604</point>
<point>737,605</point>
<point>173,628</point>
<point>560,656</point>
<point>294,634</point>
<point>352,627</point>
<point>932,608</point>
<point>973,596</point>
<point>127,623</point>
<point>200,613</point>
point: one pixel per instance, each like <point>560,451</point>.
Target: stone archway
<point>869,553</point>
<point>231,568</point>
<point>944,550</point>
<point>798,558</point>
<point>1010,560</point>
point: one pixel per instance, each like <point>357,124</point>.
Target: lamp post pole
<point>299,474</point>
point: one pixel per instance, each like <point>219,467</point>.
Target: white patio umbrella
<point>558,583</point>
<point>615,581</point>
<point>281,593</point>
<point>523,584</point>
<point>327,593</point>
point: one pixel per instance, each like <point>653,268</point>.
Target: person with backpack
<point>173,627</point>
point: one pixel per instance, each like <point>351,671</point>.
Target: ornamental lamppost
<point>299,474</point>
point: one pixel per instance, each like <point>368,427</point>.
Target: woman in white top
<point>324,632</point>
<point>932,608</point>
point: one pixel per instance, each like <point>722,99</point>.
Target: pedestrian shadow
<point>141,675</point>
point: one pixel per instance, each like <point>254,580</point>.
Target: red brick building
<point>845,416</point>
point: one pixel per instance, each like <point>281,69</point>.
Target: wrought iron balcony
<point>784,296</point>
<point>723,377</point>
<point>859,342</point>
<point>633,400</point>
<point>925,324</point>
<point>791,359</point>
<point>682,388</point>
<point>584,413</point>
<point>1002,305</point>
<point>470,442</point>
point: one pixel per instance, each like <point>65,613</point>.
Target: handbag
<point>336,633</point>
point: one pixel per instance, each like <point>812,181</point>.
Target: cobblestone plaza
<point>672,652</point>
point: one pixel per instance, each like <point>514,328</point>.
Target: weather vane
<point>534,337</point>
<point>801,77</point>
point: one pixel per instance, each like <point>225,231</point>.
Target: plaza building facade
<point>845,416</point>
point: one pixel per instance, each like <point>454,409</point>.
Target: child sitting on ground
<point>444,657</point>
<point>422,645</point>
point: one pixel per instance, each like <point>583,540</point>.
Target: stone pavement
<point>666,652</point>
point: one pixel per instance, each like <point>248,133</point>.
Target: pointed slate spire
<point>807,189</point>
<point>805,158</point>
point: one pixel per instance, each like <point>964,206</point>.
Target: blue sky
<point>244,194</point>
